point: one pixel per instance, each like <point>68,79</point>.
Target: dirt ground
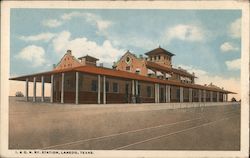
<point>122,127</point>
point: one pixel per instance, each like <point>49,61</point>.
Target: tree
<point>233,100</point>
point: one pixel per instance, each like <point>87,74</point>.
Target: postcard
<point>125,79</point>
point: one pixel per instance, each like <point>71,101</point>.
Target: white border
<point>5,39</point>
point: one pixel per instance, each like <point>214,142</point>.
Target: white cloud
<point>235,28</point>
<point>69,16</point>
<point>228,83</point>
<point>93,19</point>
<point>183,32</point>
<point>82,46</point>
<point>33,54</point>
<point>233,64</point>
<point>39,37</point>
<point>227,47</point>
<point>52,23</point>
<point>60,42</point>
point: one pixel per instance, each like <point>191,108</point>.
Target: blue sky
<point>207,42</point>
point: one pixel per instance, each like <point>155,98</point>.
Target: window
<point>159,57</point>
<point>107,86</point>
<point>94,85</point>
<point>128,68</point>
<point>155,57</point>
<point>149,92</point>
<point>137,71</point>
<point>115,87</point>
<point>127,59</point>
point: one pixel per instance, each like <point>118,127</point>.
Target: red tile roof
<point>120,74</point>
<point>159,51</point>
<point>150,64</point>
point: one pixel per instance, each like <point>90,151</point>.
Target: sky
<point>207,42</point>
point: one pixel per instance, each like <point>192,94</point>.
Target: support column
<point>218,97</point>
<point>104,89</point>
<point>168,93</point>
<point>164,76</point>
<point>34,89</point>
<point>42,99</point>
<point>99,90</point>
<point>211,96</point>
<point>77,88</point>
<point>204,96</point>
<point>133,91</point>
<point>136,88</point>
<point>52,88</point>
<point>199,94</point>
<point>190,94</point>
<point>226,97</point>
<point>62,89</point>
<point>27,90</point>
<point>156,93</point>
<point>181,94</point>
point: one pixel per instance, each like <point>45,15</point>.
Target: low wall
<point>155,105</point>
<point>197,104</point>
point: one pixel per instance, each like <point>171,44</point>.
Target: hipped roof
<point>118,74</point>
<point>159,51</point>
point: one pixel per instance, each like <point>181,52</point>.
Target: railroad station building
<point>132,79</point>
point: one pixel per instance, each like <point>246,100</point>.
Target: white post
<point>158,93</point>
<point>204,96</point>
<point>218,97</point>
<point>99,89</point>
<point>199,94</point>
<point>168,94</point>
<point>211,96</point>
<point>133,87</point>
<point>27,89</point>
<point>77,88</point>
<point>181,94</point>
<point>133,91</point>
<point>226,97</point>
<point>52,88</point>
<point>190,94</point>
<point>136,88</point>
<point>34,89</point>
<point>42,99</point>
<point>104,89</point>
<point>155,93</point>
<point>62,89</point>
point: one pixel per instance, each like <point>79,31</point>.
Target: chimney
<point>69,52</point>
<point>114,65</point>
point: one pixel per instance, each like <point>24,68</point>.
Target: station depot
<point>132,79</point>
